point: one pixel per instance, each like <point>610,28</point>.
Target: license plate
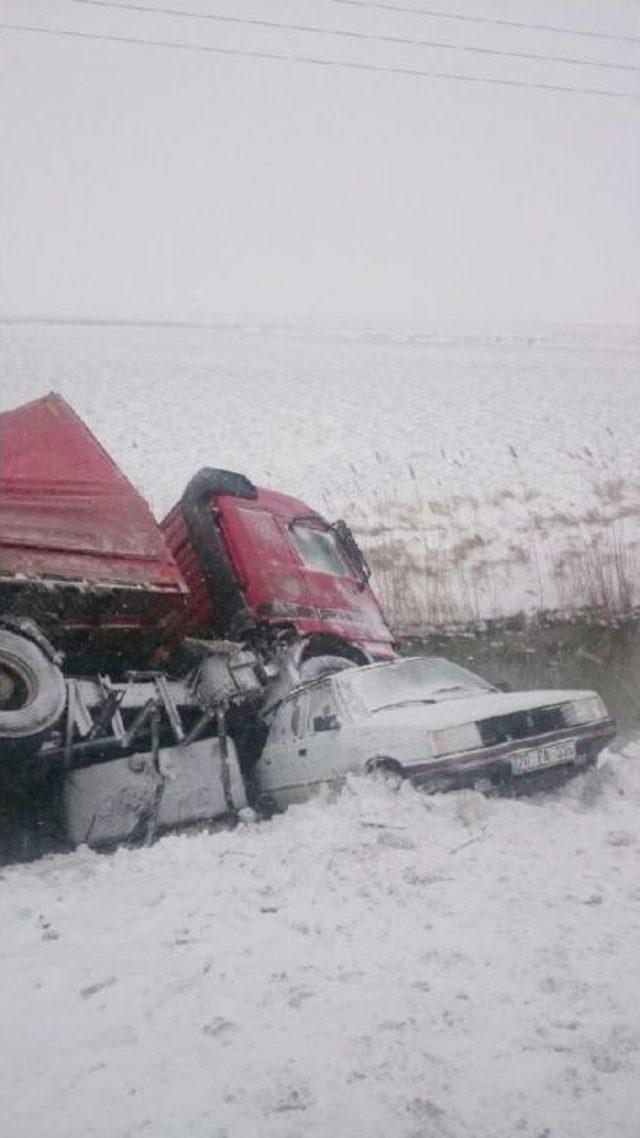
<point>550,756</point>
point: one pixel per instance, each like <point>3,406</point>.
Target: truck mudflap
<point>134,798</point>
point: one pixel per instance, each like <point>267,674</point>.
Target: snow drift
<point>387,965</point>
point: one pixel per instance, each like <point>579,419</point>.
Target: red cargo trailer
<point>80,550</point>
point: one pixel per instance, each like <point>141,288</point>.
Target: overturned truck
<point>137,660</point>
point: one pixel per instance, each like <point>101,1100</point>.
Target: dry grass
<point>442,563</point>
<point>602,575</point>
<point>429,589</point>
<point>437,590</point>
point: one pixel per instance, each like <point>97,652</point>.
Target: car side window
<point>322,714</point>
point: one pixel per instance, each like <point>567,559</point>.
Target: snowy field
<point>490,471</point>
<point>387,966</point>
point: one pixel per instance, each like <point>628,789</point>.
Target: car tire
<point>315,667</point>
<point>265,807</point>
<point>32,690</point>
<point>387,770</point>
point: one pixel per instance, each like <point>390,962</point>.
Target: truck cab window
<point>319,550</point>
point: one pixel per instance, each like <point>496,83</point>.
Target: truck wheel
<point>32,689</point>
<point>317,666</point>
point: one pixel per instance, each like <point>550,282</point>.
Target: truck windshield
<point>421,680</point>
<point>319,549</point>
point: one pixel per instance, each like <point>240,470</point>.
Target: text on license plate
<point>549,756</point>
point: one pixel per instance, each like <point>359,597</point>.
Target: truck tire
<point>317,666</point>
<point>32,689</point>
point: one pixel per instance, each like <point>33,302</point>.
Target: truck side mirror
<point>352,550</point>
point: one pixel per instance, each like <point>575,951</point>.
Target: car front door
<point>322,751</point>
<point>302,750</point>
<point>277,774</point>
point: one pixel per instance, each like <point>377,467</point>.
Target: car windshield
<point>422,680</point>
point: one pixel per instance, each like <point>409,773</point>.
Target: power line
<point>256,22</point>
<point>440,15</point>
<point>344,65</point>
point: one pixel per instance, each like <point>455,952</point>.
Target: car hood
<point>453,712</point>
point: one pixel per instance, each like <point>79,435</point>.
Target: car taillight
<point>453,739</point>
<point>580,711</point>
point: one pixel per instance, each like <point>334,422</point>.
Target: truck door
<point>336,589</point>
<point>272,578</point>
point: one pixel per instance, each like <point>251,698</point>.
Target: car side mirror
<point>503,685</point>
<point>326,723</point>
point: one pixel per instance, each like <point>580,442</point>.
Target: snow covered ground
<point>491,471</point>
<point>385,966</point>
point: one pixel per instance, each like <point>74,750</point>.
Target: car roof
<point>308,684</point>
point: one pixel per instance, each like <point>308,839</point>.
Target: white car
<point>428,720</point>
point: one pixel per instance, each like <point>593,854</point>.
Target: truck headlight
<point>580,711</point>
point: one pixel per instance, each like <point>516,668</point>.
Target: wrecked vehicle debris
<point>120,637</point>
<point>143,666</point>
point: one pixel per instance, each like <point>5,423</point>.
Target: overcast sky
<point>141,182</point>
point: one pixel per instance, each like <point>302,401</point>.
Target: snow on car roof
<point>345,672</point>
<point>446,712</point>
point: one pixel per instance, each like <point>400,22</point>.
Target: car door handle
<point>302,750</point>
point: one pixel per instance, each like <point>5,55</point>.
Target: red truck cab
<point>257,561</point>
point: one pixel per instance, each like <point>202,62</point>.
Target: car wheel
<point>32,690</point>
<point>317,666</point>
<point>386,770</point>
<point>265,806</point>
